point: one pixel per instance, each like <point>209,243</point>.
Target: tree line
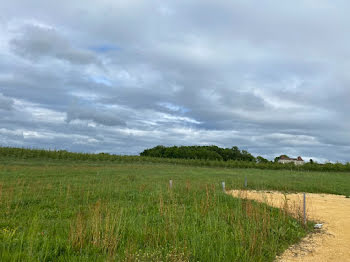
<point>7,153</point>
<point>202,152</point>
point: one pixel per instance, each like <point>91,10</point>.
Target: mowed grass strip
<point>127,212</point>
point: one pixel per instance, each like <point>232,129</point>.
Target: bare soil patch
<point>332,242</point>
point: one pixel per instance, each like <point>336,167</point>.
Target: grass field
<point>67,211</point>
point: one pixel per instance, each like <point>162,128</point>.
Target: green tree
<point>260,159</point>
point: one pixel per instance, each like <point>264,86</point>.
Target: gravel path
<point>332,242</point>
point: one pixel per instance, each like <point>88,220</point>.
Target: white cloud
<point>187,72</point>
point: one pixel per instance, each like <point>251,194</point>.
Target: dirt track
<point>332,243</point>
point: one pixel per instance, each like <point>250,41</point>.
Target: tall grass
<point>128,213</point>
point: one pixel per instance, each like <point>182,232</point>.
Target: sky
<point>271,77</point>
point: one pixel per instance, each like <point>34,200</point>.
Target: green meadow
<point>52,210</point>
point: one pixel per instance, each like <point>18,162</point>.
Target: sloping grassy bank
<point>127,212</point>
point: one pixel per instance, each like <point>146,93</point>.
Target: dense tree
<point>260,159</point>
<point>199,152</point>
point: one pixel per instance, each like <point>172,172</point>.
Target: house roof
<point>288,158</point>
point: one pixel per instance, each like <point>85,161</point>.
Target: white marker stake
<point>171,183</point>
<point>223,186</point>
<point>304,209</point>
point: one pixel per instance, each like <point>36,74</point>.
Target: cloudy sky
<point>116,76</point>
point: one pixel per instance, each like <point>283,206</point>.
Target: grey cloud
<point>241,75</point>
<point>46,87</point>
<point>6,103</point>
<point>104,117</point>
<point>35,42</point>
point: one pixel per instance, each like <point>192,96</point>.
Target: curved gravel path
<point>332,242</point>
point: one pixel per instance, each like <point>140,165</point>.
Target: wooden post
<point>170,183</point>
<point>223,186</point>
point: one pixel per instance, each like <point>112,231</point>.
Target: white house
<point>296,161</point>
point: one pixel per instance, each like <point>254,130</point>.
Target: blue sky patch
<point>104,48</point>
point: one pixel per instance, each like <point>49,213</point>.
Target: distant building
<point>296,161</point>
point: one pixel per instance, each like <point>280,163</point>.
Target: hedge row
<point>23,153</point>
